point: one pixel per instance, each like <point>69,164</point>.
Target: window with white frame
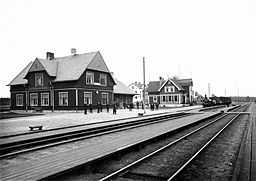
<point>176,98</point>
<point>39,79</point>
<point>104,98</point>
<point>63,98</point>
<point>19,99</point>
<point>170,98</point>
<point>44,99</point>
<point>163,98</point>
<point>169,89</point>
<point>87,98</point>
<point>34,99</point>
<point>154,98</point>
<point>103,79</point>
<point>89,78</point>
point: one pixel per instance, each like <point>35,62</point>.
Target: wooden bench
<point>33,127</point>
<point>38,109</point>
<point>140,114</point>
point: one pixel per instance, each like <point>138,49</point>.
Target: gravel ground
<point>167,162</point>
<point>61,119</point>
<point>218,160</point>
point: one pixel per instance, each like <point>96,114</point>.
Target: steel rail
<point>203,147</point>
<point>98,132</point>
<point>135,163</point>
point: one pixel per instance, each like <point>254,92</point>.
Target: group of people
<point>154,106</point>
<point>99,107</point>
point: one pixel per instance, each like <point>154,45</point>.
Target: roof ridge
<point>67,56</point>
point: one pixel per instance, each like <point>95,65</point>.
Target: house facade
<point>65,83</point>
<point>170,91</point>
<point>137,88</point>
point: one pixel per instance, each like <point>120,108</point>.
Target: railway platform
<point>246,165</point>
<point>52,120</point>
<point>48,166</point>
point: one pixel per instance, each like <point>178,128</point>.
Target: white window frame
<point>176,96</point>
<point>169,89</point>
<point>90,102</point>
<point>91,76</point>
<point>104,93</point>
<point>20,99</point>
<point>37,77</point>
<point>42,102</point>
<point>105,77</point>
<point>31,103</point>
<point>60,103</point>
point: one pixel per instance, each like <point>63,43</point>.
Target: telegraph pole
<point>144,85</point>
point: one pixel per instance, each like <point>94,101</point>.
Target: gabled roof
<point>156,86</point>
<point>175,83</point>
<point>19,78</point>
<point>64,68</point>
<point>120,88</point>
<point>137,84</point>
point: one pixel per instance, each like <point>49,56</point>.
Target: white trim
<point>30,94</point>
<point>166,82</point>
<point>92,73</point>
<point>90,102</point>
<point>17,99</point>
<point>106,79</point>
<point>76,97</point>
<point>102,97</point>
<point>42,75</point>
<point>46,93</point>
<point>59,98</point>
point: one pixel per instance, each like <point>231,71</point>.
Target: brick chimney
<point>160,81</point>
<point>49,55</point>
<point>73,51</point>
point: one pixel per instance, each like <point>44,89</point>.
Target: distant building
<point>170,91</point>
<point>137,88</point>
<point>64,83</point>
<point>122,94</point>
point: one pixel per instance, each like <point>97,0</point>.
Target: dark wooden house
<point>65,83</point>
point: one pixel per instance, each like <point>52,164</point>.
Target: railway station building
<point>123,95</point>
<point>64,83</point>
<point>170,91</point>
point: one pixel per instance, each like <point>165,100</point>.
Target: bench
<point>33,127</point>
<point>140,114</point>
<point>37,109</point>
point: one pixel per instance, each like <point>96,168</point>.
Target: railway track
<point>28,145</point>
<point>135,169</point>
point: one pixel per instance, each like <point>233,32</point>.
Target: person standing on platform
<point>101,107</point>
<point>85,108</point>
<point>114,108</point>
<point>107,107</point>
<point>130,106</point>
<point>90,107</point>
<point>138,105</point>
<point>98,107</point>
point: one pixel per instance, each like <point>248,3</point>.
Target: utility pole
<point>144,85</point>
<point>209,91</point>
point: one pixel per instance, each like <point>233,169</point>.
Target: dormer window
<point>169,89</point>
<point>39,79</point>
<point>103,79</point>
<point>89,78</point>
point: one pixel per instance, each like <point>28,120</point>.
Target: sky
<point>212,42</point>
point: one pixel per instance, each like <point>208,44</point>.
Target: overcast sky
<point>209,41</point>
